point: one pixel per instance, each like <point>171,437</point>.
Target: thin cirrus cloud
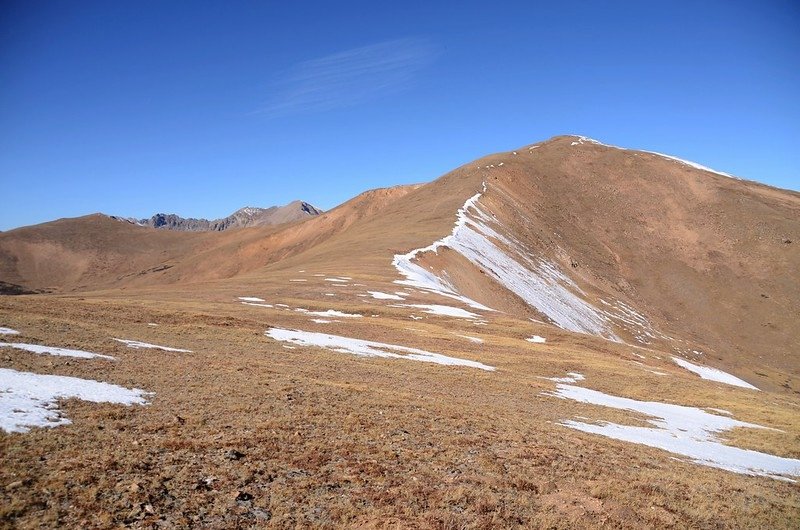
<point>350,77</point>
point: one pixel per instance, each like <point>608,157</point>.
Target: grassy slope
<point>333,439</point>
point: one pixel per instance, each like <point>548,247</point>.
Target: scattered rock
<point>14,485</point>
<point>233,454</point>
<point>262,514</point>
<point>243,496</point>
<point>205,484</point>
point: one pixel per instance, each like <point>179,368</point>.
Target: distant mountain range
<point>242,218</point>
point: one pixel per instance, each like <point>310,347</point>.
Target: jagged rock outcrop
<point>244,217</point>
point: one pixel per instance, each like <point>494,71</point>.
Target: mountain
<point>568,334</point>
<point>623,244</point>
<point>98,252</point>
<point>244,217</point>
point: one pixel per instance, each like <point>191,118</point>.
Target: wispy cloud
<point>350,77</point>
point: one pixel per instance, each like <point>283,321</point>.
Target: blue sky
<point>199,108</point>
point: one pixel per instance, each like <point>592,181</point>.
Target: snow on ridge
<point>30,400</point>
<point>425,280</point>
<point>8,331</point>
<point>713,374</point>
<point>541,284</point>
<point>695,165</point>
<point>135,344</point>
<point>368,348</point>
<point>586,139</point>
<point>687,431</point>
<point>53,350</point>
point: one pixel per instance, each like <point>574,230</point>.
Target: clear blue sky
<point>199,108</point>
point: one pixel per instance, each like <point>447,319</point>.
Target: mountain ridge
<point>244,217</point>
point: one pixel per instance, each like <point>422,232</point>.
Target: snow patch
<point>251,299</point>
<point>30,400</point>
<point>384,296</point>
<point>135,344</point>
<point>444,310</point>
<point>632,321</point>
<point>52,350</point>
<point>333,313</point>
<point>536,339</point>
<point>572,377</point>
<point>713,374</point>
<point>686,431</point>
<point>256,304</point>
<point>368,348</point>
<point>8,331</point>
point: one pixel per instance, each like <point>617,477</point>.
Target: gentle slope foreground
<point>565,335</point>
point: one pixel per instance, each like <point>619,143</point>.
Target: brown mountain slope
<point>642,248</point>
<point>96,252</point>
<point>84,252</point>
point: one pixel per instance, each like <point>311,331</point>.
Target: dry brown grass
<point>330,439</point>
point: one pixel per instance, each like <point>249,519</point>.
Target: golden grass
<point>329,439</point>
